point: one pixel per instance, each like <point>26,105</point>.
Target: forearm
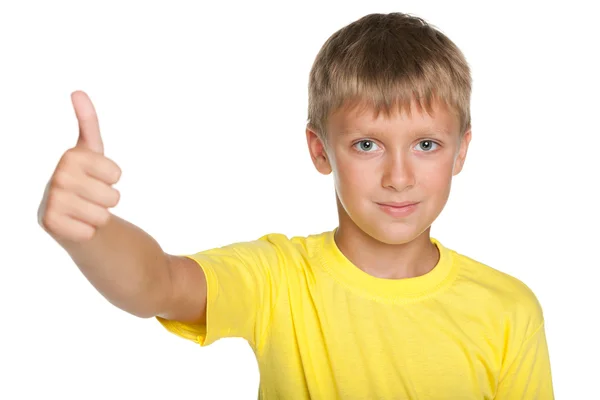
<point>126,265</point>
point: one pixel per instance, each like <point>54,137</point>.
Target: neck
<point>382,260</point>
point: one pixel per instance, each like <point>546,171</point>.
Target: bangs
<point>399,97</point>
<point>388,63</point>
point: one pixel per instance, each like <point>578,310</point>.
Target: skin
<point>130,269</point>
<point>396,158</point>
<point>122,261</point>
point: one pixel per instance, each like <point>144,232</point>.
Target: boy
<point>375,308</point>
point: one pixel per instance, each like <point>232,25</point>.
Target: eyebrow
<point>420,132</point>
<point>352,132</point>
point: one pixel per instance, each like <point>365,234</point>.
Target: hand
<point>77,198</point>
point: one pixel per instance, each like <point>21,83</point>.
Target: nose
<point>398,173</point>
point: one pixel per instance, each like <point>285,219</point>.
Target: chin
<point>383,228</point>
<point>393,233</point>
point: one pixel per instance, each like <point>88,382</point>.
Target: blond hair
<point>384,61</point>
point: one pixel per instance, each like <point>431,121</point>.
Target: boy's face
<point>381,162</point>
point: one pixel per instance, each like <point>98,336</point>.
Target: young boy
<point>375,308</point>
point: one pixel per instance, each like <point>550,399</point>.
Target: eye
<point>366,146</point>
<point>427,145</point>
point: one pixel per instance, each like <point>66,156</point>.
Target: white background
<point>204,106</point>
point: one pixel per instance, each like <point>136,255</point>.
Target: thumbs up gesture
<point>79,193</point>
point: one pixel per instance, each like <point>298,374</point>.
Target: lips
<point>398,204</point>
<point>398,209</point>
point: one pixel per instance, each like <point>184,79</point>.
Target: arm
<point>529,376</point>
<point>241,284</point>
<point>124,263</point>
<point>129,268</point>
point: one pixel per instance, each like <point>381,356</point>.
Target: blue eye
<point>427,145</point>
<point>366,146</point>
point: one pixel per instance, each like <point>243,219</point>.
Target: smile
<point>398,209</point>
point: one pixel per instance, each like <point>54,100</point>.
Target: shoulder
<point>507,295</point>
<point>293,245</point>
<point>271,248</point>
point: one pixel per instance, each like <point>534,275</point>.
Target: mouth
<point>398,209</point>
<point>399,204</point>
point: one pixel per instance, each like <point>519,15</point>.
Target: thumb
<point>89,128</point>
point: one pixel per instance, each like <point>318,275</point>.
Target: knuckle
<point>69,158</point>
<point>61,179</point>
<point>118,173</point>
<point>87,233</point>
<point>50,221</point>
<point>116,197</point>
<point>72,160</point>
<point>53,201</point>
<point>114,173</point>
<point>103,217</point>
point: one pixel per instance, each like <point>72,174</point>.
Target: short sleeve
<point>242,286</point>
<point>529,376</point>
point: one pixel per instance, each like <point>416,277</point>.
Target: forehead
<point>366,119</point>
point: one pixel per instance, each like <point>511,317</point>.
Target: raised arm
<point>123,262</point>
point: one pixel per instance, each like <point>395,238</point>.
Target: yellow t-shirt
<point>323,329</point>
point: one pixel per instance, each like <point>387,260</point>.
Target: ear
<point>317,151</point>
<point>459,162</point>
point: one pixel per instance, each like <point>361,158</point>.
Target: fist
<point>79,194</point>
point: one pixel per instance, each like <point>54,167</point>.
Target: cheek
<point>437,177</point>
<point>352,176</point>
